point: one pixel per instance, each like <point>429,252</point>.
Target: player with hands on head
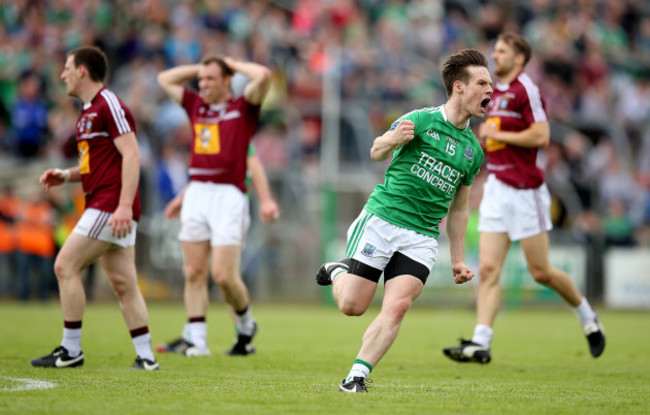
<point>213,207</point>
<point>109,172</point>
<point>435,158</point>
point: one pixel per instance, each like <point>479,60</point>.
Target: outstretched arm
<point>260,79</point>
<point>384,145</point>
<point>172,80</point>
<point>456,228</point>
<point>56,177</point>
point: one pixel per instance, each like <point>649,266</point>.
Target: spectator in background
<point>10,207</point>
<point>36,248</point>
<point>29,116</point>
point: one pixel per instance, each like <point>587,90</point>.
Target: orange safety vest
<point>9,207</point>
<point>35,230</point>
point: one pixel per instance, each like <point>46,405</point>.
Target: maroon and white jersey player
<point>100,163</point>
<point>221,137</point>
<point>515,107</point>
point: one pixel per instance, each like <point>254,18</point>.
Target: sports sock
<point>72,337</point>
<point>360,369</point>
<point>483,335</point>
<point>141,339</point>
<point>245,321</point>
<point>336,271</point>
<point>187,335</point>
<point>198,332</point>
<point>585,313</point>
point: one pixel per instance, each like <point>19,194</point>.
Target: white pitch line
<point>27,384</point>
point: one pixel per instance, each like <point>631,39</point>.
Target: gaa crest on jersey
<point>89,125</point>
<point>368,250</point>
<point>469,152</point>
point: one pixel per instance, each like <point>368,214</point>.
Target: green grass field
<point>540,365</point>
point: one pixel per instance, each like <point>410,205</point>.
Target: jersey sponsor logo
<point>452,140</point>
<point>84,157</point>
<point>368,250</point>
<point>469,152</point>
<point>207,140</point>
<point>490,143</point>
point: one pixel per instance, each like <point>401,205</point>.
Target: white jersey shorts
<point>373,241</point>
<point>214,212</point>
<point>94,225</point>
<point>520,213</point>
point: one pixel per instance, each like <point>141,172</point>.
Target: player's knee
<point>62,270</point>
<point>351,308</point>
<point>395,310</point>
<point>541,276</point>
<point>194,274</point>
<point>489,273</point>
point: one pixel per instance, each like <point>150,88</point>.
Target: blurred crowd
<point>591,61</point>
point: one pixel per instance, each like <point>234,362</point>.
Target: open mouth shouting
<point>484,104</point>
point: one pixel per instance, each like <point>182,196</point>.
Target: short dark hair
<point>225,69</point>
<point>455,67</point>
<point>94,59</point>
<point>518,43</point>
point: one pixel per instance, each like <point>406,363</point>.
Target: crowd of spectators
<point>591,60</point>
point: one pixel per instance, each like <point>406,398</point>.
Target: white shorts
<point>214,212</point>
<point>94,224</point>
<point>374,241</point>
<point>518,212</point>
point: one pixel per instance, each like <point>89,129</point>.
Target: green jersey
<point>425,173</point>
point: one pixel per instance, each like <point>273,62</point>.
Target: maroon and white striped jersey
<point>515,107</point>
<point>221,134</point>
<point>100,163</point>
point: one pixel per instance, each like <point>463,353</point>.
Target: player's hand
<point>269,211</point>
<point>173,208</point>
<point>487,130</point>
<point>120,223</point>
<point>404,132</point>
<point>51,177</point>
<point>462,273</point>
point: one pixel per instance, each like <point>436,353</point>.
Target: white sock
<point>336,271</point>
<point>483,335</point>
<point>358,370</point>
<point>142,345</point>
<point>199,334</point>
<point>585,313</point>
<point>72,341</point>
<point>245,322</point>
<point>187,334</point>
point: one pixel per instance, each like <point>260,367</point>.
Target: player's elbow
<point>544,141</point>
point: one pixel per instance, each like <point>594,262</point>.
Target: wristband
<point>64,174</point>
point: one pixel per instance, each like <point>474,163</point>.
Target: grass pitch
<point>541,365</point>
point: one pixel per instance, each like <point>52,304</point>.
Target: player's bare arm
<point>172,80</point>
<point>260,79</point>
<point>537,135</point>
<point>128,147</point>
<point>56,177</point>
<point>390,141</point>
<point>269,209</point>
<point>456,228</point>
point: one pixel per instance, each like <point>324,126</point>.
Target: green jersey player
<point>435,158</point>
